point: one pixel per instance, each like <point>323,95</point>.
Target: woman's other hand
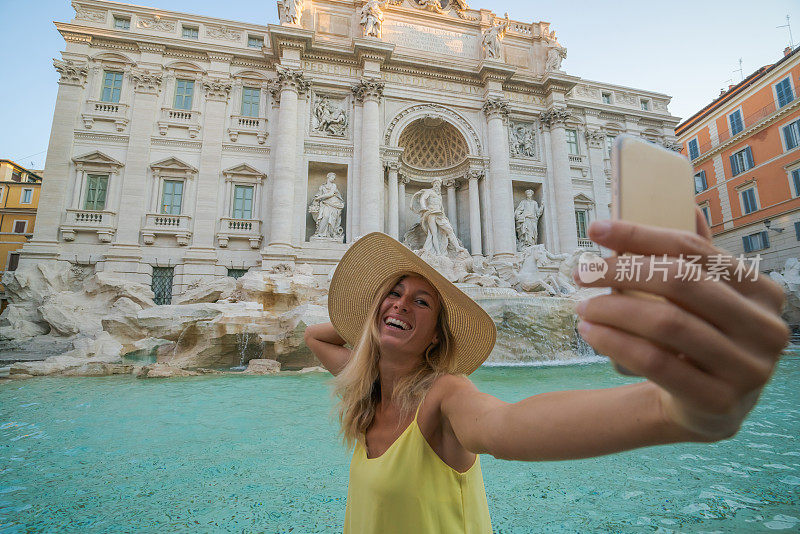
<point>710,345</point>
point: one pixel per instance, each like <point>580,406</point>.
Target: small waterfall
<point>242,340</point>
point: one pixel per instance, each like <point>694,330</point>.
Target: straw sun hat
<point>375,258</point>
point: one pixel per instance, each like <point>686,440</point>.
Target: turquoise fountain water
<point>260,454</point>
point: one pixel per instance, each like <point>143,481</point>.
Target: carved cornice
<point>113,45</point>
<point>451,182</point>
<point>554,116</point>
<point>495,107</point>
<point>219,56</point>
<point>672,145</point>
<point>474,174</point>
<point>71,73</point>
<point>217,89</point>
<point>293,80</point>
<point>145,81</point>
<point>368,89</point>
<point>393,165</point>
<point>80,38</point>
<point>595,138</point>
<point>153,48</point>
<point>185,54</point>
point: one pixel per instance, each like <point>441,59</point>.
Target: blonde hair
<point>358,384</point>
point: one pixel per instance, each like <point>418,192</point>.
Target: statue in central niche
<point>326,208</point>
<point>433,223</point>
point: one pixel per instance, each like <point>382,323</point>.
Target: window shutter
<point>746,243</point>
<point>765,239</point>
<point>797,230</point>
<point>749,156</point>
<point>734,165</point>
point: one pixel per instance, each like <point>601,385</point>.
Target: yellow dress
<point>409,489</point>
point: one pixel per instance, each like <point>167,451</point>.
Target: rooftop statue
<point>290,11</point>
<point>492,37</point>
<point>372,17</point>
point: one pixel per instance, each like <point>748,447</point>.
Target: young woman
<point>418,423</point>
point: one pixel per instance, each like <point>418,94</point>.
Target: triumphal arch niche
<point>202,147</point>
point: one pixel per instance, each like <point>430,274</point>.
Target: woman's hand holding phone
<point>710,345</point>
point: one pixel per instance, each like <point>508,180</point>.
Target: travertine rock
<point>789,280</point>
<point>314,369</point>
<point>207,292</point>
<point>162,370</point>
<point>262,367</point>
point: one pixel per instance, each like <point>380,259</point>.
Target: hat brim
<point>377,257</point>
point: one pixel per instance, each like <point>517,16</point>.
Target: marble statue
<point>527,218</point>
<point>431,5</point>
<point>555,55</point>
<point>290,11</point>
<point>540,270</point>
<point>492,37</point>
<point>372,17</point>
<point>326,207</point>
<point>522,141</point>
<point>331,120</point>
<point>433,223</point>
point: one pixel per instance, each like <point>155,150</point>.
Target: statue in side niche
<point>326,208</point>
<point>527,217</point>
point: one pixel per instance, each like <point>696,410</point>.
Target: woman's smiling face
<point>408,317</point>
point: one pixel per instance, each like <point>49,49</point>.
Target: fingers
<point>623,236</point>
<point>750,325</point>
<point>662,366</point>
<point>669,327</point>
<point>702,226</point>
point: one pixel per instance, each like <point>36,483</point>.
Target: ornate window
<point>167,214</point>
<point>96,188</point>
<point>251,96</point>
<point>255,42</point>
<point>190,32</point>
<point>572,142</point>
<point>242,202</point>
<point>94,198</point>
<point>171,197</point>
<point>243,187</point>
<point>748,198</point>
<point>122,23</point>
<point>694,149</point>
<point>741,161</point>
<point>184,93</point>
<point>112,86</point>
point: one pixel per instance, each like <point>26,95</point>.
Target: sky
<point>687,49</point>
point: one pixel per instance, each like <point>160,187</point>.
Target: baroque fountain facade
<point>187,151</point>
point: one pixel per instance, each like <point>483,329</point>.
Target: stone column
<point>474,214</point>
<point>59,153</point>
<point>290,84</point>
<point>401,206</point>
<point>146,87</point>
<point>562,181</point>
<point>502,214</point>
<point>596,141</point>
<point>393,227</point>
<point>452,215</point>
<point>369,92</point>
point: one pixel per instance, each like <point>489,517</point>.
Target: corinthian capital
<point>495,107</point>
<point>554,116</point>
<point>595,138</point>
<point>291,79</point>
<point>71,73</point>
<point>368,89</point>
<point>217,88</point>
<point>146,81</point>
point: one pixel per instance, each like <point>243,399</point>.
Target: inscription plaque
<point>430,39</point>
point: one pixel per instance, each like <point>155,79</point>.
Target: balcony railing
<point>101,222</point>
<point>749,121</point>
<point>115,112</point>
<point>586,243</point>
<point>169,225</point>
<point>575,158</point>
<point>230,228</point>
<point>251,125</point>
<point>179,118</point>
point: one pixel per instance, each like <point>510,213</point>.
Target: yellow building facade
<point>19,198</point>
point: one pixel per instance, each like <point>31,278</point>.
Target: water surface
<point>261,454</point>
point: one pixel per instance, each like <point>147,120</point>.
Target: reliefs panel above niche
<point>522,139</point>
<point>330,115</point>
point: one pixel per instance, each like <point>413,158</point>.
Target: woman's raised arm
<point>707,349</point>
<point>328,346</point>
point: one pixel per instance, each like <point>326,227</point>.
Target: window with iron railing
<point>783,91</point>
<point>736,122</point>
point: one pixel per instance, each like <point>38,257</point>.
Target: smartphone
<point>651,185</point>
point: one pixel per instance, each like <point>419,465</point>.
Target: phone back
<point>652,185</point>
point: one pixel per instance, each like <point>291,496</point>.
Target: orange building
<point>745,148</point>
<point>19,198</point>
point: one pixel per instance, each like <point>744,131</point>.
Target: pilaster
<point>502,212</point>
<point>369,92</point>
<point>554,119</point>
